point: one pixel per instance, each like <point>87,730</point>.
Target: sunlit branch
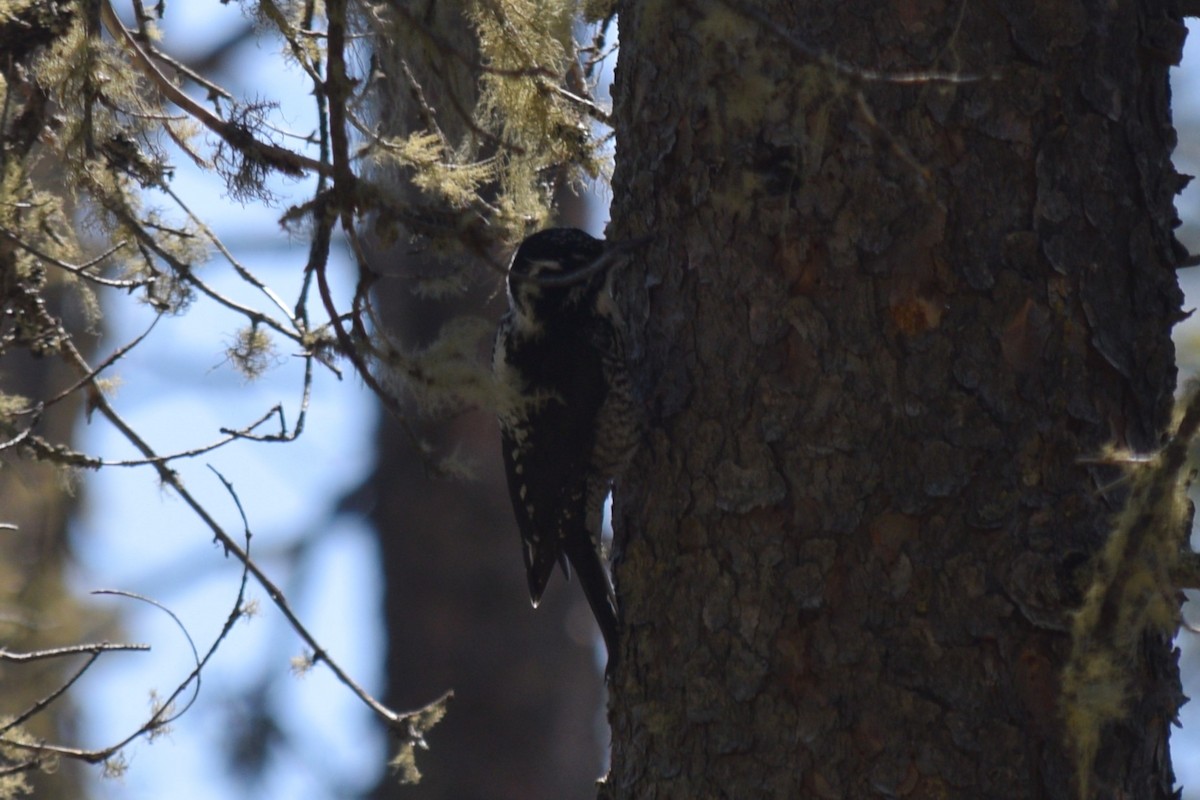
<point>21,766</point>
<point>94,648</point>
<point>589,107</point>
<point>25,434</point>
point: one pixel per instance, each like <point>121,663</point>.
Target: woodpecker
<point>560,347</point>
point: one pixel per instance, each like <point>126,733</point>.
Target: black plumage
<point>560,348</point>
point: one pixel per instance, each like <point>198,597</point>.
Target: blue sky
<point>178,390</point>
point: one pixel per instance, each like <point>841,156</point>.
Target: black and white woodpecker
<point>561,350</point>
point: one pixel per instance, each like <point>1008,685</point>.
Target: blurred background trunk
<point>526,720</point>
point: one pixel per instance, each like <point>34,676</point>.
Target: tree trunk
<point>883,327</point>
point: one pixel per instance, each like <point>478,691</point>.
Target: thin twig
<point>69,650</point>
<point>237,136</point>
<point>398,721</point>
<point>78,269</point>
<point>241,270</point>
<point>21,766</point>
<point>195,675</point>
<point>186,272</point>
<point>335,207</point>
<point>587,104</point>
<point>26,433</point>
<point>146,41</point>
<point>230,435</point>
<point>95,650</point>
<point>90,378</point>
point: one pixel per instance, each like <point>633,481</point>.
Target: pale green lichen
<point>1132,594</point>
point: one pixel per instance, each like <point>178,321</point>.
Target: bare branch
<point>586,103</point>
<point>185,271</point>
<point>191,644</point>
<point>242,272</point>
<point>399,722</point>
<point>94,648</point>
<point>94,651</point>
<point>80,270</point>
<point>237,136</point>
<point>90,378</point>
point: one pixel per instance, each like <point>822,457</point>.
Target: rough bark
<point>884,327</point>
